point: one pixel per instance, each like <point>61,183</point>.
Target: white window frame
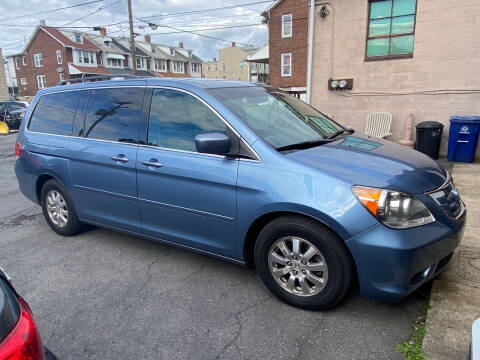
<point>195,67</point>
<point>143,63</point>
<point>41,82</point>
<point>24,60</point>
<point>160,65</point>
<point>114,63</point>
<point>282,65</point>
<point>80,56</point>
<point>176,69</point>
<point>17,65</point>
<point>23,81</point>
<point>287,18</point>
<point>80,37</point>
<point>59,57</point>
<point>38,59</point>
<point>62,76</point>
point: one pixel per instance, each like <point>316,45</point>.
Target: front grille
<point>448,199</point>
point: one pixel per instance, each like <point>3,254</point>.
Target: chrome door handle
<point>152,163</point>
<point>119,158</point>
<point>462,141</point>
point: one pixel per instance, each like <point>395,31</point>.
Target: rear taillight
<point>18,149</point>
<point>24,342</point>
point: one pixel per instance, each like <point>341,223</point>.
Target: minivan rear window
<point>53,113</point>
<point>114,114</point>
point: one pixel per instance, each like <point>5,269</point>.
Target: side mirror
<point>212,143</point>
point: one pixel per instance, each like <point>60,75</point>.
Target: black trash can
<point>429,136</point>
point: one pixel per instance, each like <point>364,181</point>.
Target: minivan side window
<point>177,117</point>
<point>114,114</point>
<point>53,113</point>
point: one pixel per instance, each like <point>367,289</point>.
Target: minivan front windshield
<point>277,117</point>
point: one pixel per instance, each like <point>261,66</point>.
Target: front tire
<point>303,262</point>
<point>58,209</point>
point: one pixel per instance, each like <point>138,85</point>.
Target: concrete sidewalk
<point>455,298</point>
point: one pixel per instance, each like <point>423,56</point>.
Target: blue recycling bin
<point>463,138</point>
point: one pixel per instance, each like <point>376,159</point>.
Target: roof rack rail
<point>97,78</point>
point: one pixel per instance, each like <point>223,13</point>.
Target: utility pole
<point>132,38</point>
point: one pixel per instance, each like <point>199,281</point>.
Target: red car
<point>19,337</point>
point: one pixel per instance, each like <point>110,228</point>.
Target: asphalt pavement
<point>106,295</point>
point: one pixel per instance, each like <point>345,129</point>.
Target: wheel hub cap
<point>298,266</point>
<point>57,208</point>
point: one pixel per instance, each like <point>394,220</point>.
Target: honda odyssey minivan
<point>246,173</point>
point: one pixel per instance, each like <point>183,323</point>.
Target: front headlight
<point>394,209</point>
<point>22,115</point>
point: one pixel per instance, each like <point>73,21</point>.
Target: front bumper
<point>393,263</point>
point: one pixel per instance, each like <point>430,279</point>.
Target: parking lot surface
<point>107,295</point>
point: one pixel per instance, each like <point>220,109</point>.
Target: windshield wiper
<point>303,145</point>
<point>340,132</point>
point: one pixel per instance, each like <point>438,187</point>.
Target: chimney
<point>180,45</point>
<point>147,39</point>
<point>214,59</point>
<point>233,43</point>
<point>42,22</point>
<point>103,31</point>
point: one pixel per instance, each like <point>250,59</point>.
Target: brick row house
<point>288,45</point>
<point>54,54</point>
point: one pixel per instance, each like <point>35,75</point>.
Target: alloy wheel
<point>57,208</point>
<point>298,266</point>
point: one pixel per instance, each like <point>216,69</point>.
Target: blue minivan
<point>246,173</point>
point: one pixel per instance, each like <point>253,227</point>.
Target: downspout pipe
<point>311,26</point>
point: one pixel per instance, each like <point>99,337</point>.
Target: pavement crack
<point>237,316</point>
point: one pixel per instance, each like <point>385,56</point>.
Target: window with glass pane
<point>391,28</point>
<point>176,118</point>
<point>114,114</point>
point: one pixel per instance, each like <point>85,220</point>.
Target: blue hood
<point>363,160</point>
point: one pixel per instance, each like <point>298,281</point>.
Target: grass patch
<point>413,349</point>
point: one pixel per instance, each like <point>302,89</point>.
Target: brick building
<point>404,56</point>
<point>288,44</point>
<point>170,61</point>
<point>54,54</point>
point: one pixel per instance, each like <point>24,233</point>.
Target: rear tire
<point>58,209</point>
<point>312,266</point>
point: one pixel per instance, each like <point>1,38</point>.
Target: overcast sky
<point>16,25</point>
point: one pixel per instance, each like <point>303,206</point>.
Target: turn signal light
<point>369,197</point>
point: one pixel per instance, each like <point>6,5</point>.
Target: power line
<point>209,29</point>
<point>93,12</point>
<point>241,5</point>
<point>53,10</point>
<point>190,32</point>
<point>192,12</point>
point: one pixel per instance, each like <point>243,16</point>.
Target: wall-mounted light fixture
<point>340,84</point>
<point>324,11</point>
